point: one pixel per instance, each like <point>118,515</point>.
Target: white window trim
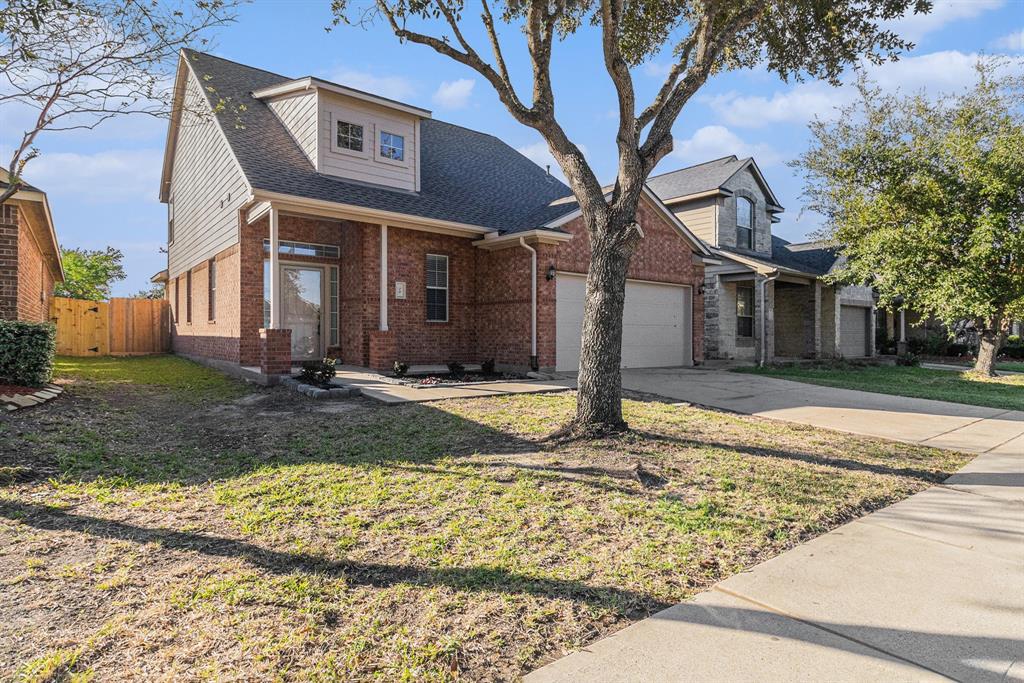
<point>404,163</point>
<point>170,220</point>
<point>332,134</point>
<point>447,278</point>
<point>753,295</point>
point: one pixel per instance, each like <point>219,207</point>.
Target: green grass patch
<point>188,380</point>
<point>436,542</point>
<point>1005,392</point>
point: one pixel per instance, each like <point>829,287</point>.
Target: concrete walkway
<point>931,588</point>
<point>372,385</point>
<point>934,423</point>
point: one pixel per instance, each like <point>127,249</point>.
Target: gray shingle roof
<point>466,176</point>
<point>709,175</point>
<point>811,258</point>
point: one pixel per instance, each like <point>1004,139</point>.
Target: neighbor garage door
<point>853,331</point>
<point>656,324</point>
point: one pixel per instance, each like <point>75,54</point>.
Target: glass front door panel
<point>301,310</point>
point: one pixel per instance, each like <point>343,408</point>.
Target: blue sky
<point>103,183</point>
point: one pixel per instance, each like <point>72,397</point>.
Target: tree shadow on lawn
<point>376,575</point>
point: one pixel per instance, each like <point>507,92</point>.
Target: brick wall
<point>8,262</point>
<point>217,338</point>
<point>791,304</point>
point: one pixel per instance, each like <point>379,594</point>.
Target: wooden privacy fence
<point>120,327</point>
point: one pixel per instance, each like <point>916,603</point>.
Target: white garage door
<point>656,324</point>
<point>853,331</point>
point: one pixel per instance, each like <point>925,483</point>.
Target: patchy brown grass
<point>149,530</point>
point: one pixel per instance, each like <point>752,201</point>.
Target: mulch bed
<point>11,389</point>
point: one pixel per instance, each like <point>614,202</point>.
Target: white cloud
<point>454,94</point>
<point>713,142</point>
<point>393,87</point>
<point>914,27</point>
<point>934,73</point>
<point>109,176</point>
<point>1012,41</point>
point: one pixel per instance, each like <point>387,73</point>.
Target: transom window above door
<point>392,146</point>
<point>349,136</point>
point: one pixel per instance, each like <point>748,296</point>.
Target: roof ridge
<point>236,63</point>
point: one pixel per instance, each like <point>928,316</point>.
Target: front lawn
<point>213,530</point>
<point>1006,391</point>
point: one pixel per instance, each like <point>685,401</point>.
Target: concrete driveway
<point>934,423</point>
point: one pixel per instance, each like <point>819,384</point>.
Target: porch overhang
<point>262,202</point>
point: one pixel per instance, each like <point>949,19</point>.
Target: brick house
<point>765,299</point>
<point>30,262</point>
<point>307,218</point>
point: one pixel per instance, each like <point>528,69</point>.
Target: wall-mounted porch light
<point>551,273</point>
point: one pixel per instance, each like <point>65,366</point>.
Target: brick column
<point>383,349</point>
<point>275,352</point>
<point>8,262</point>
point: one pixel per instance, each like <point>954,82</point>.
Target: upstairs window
<point>392,146</point>
<point>437,288</point>
<point>744,223</point>
<point>350,136</point>
<point>744,311</point>
<point>170,220</point>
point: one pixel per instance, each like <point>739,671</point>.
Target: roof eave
<point>303,84</point>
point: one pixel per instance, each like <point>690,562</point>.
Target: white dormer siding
<point>298,113</point>
<point>368,165</point>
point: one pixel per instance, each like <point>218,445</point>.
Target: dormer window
<point>744,223</point>
<point>392,146</point>
<point>350,136</point>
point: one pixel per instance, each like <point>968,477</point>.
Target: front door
<point>302,309</point>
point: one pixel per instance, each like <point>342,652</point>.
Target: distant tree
<point>77,63</point>
<point>157,291</point>
<point>925,198</point>
<point>89,274</point>
<point>793,38</point>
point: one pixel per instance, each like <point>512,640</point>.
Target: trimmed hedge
<point>26,352</point>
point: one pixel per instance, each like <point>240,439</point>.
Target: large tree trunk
<point>990,340</point>
<point>599,399</point>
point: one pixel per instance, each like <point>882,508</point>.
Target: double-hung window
<point>744,311</point>
<point>349,136</point>
<point>437,288</point>
<point>392,146</point>
<point>744,223</point>
<point>188,296</point>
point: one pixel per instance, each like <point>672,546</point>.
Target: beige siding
<point>699,217</point>
<point>367,167</point>
<point>207,187</point>
<point>298,113</point>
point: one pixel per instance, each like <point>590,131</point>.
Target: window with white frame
<point>437,288</point>
<point>392,146</point>
<point>170,220</point>
<point>211,291</point>
<point>349,136</point>
<point>744,223</point>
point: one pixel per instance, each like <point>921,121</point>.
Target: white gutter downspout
<point>533,302</point>
<point>764,316</point>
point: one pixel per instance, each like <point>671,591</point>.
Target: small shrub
<point>957,350</point>
<point>1015,352</point>
<point>1015,340</point>
<point>936,345</point>
<point>487,367</point>
<point>400,368</point>
<point>319,372</point>
<point>908,359</point>
<point>455,368</point>
<point>26,352</point>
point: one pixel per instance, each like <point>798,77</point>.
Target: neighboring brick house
<point>765,300</point>
<point>29,255</point>
<point>308,218</point>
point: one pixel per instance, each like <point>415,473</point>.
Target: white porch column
<point>903,325</point>
<point>275,272</point>
<point>383,277</point>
